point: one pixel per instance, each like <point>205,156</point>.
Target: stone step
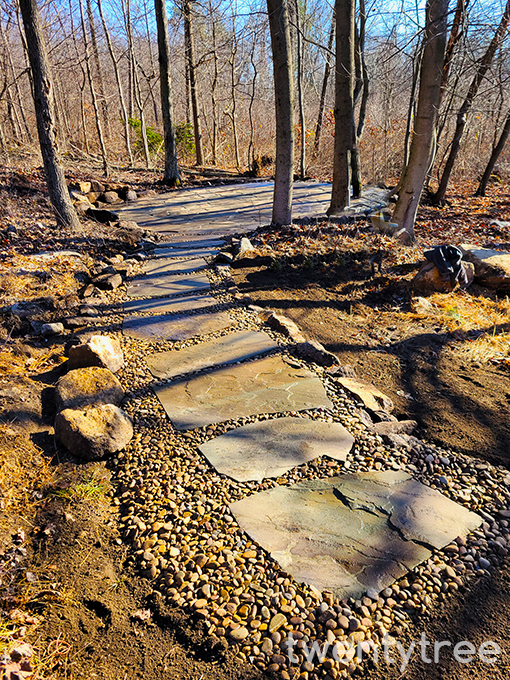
<point>273,447</point>
<point>228,349</point>
<point>168,266</point>
<point>270,385</point>
<point>158,286</point>
<point>167,327</point>
<point>188,303</point>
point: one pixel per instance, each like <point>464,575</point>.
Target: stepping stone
<point>226,350</point>
<point>273,447</point>
<point>185,253</point>
<point>188,303</point>
<point>157,286</point>
<point>167,327</point>
<point>195,241</point>
<point>345,534</point>
<point>166,265</point>
<point>267,385</point>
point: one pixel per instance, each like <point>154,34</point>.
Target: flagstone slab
<point>187,303</point>
<point>157,286</point>
<point>343,534</point>
<point>225,350</point>
<point>167,265</point>
<point>195,241</point>
<point>273,447</point>
<point>269,385</point>
<point>167,327</point>
<point>185,253</point>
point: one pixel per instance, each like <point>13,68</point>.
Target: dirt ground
<point>458,402</point>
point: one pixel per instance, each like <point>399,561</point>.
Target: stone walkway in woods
<point>350,534</point>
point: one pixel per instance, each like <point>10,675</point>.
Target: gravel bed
<point>174,512</point>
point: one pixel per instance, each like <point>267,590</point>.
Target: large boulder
<point>428,280</point>
<point>94,432</point>
<point>491,267</point>
<point>89,386</point>
<point>99,350</point>
<point>311,350</point>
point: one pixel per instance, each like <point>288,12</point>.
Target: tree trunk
<point>95,105</point>
<point>455,36</point>
<point>327,71</point>
<point>422,143</point>
<point>190,59</point>
<point>496,153</point>
<point>302,121</point>
<point>412,101</point>
<point>361,89</point>
<point>45,116</point>
<point>171,176</point>
<point>99,72</point>
<point>462,115</point>
<point>251,145</point>
<point>233,112</point>
<point>344,105</point>
<point>115,63</point>
<point>284,110</point>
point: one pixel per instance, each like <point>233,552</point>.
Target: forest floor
<point>65,586</point>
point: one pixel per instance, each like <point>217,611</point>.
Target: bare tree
<point>190,59</point>
<point>422,143</point>
<point>45,116</point>
<point>325,79</point>
<point>171,176</point>
<point>496,153</point>
<point>344,105</point>
<point>462,115</point>
<point>284,106</point>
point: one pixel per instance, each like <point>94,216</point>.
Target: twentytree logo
<point>393,651</point>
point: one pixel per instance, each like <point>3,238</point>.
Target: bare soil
<point>458,403</point>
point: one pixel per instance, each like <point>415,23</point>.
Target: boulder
<point>102,216</point>
<point>491,267</point>
<point>94,432</point>
<point>311,350</point>
<point>131,195</point>
<point>89,386</point>
<point>368,394</point>
<point>343,371</point>
<point>108,281</point>
<point>283,325</point>
<point>395,427</point>
<point>93,196</point>
<point>49,329</point>
<point>99,350</point>
<point>84,187</point>
<point>110,197</point>
<point>96,186</point>
<point>428,280</point>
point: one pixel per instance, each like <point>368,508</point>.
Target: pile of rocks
<point>91,197</point>
<point>89,422</point>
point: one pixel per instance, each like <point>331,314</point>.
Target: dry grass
<point>487,317</point>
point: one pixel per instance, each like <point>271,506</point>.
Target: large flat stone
<point>185,253</point>
<point>167,265</point>
<point>267,385</point>
<point>152,286</point>
<point>343,534</point>
<point>194,242</point>
<point>492,267</point>
<point>372,398</point>
<point>272,447</point>
<point>187,303</point>
<point>225,350</point>
<point>166,327</point>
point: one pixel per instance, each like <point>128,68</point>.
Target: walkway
<point>352,534</point>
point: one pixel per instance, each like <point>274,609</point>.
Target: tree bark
<point>422,143</point>
<point>302,121</point>
<point>100,82</point>
<point>284,109</point>
<point>496,153</point>
<point>45,116</point>
<point>455,36</point>
<point>327,71</point>
<point>344,105</point>
<point>360,89</point>
<point>115,62</point>
<point>171,176</point>
<point>483,67</point>
<point>95,105</point>
<point>190,59</point>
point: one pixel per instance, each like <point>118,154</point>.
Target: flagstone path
<point>346,534</point>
